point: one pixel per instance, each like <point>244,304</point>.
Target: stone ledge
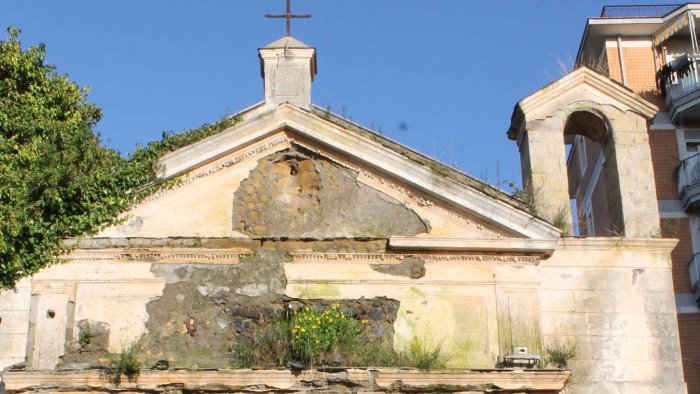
<point>543,247</point>
<point>278,381</point>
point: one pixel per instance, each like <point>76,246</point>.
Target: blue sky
<point>440,76</point>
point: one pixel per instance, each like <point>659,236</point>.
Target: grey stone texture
<point>205,310</point>
<point>299,195</point>
<point>410,267</point>
<point>209,294</point>
<point>88,348</point>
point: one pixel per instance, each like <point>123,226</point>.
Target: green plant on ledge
<point>559,354</point>
<point>85,337</point>
<point>269,346</point>
<point>329,336</point>
<point>316,332</point>
<point>124,364</point>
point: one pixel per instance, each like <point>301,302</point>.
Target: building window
<point>581,150</point>
<point>692,147</point>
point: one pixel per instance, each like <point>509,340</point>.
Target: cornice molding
<point>158,255</point>
<point>510,245</point>
<point>371,153</point>
<point>233,256</point>
<point>620,96</point>
<point>664,245</point>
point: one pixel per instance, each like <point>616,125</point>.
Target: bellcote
<point>288,67</point>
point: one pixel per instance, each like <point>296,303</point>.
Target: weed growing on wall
<point>85,337</point>
<point>269,347</point>
<point>561,220</point>
<point>329,336</point>
<point>125,363</point>
<point>559,353</point>
<point>315,332</point>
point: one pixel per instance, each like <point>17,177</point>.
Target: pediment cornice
<point>371,153</point>
<point>573,85</point>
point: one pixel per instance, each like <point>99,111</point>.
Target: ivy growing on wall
<point>57,179</point>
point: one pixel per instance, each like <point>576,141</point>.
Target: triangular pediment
<point>582,84</point>
<point>294,174</point>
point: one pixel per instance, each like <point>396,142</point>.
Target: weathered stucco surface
<point>612,299</point>
<point>206,196</point>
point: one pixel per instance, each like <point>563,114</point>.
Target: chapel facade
<point>295,206</point>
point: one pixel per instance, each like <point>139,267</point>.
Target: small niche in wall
<point>50,314</point>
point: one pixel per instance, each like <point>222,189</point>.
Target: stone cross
<point>289,16</point>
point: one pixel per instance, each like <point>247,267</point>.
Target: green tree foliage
<point>57,180</point>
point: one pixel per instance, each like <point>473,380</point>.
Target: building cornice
<point>622,97</point>
<point>371,153</point>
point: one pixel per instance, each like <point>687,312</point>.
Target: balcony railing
<point>689,173</point>
<point>694,270</point>
<point>681,76</point>
<point>637,11</point>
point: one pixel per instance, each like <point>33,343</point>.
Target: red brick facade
<point>689,331</point>
<point>681,255</point>
<point>665,158</point>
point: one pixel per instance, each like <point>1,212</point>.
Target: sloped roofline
<point>642,26</point>
<point>374,150</point>
<point>628,100</point>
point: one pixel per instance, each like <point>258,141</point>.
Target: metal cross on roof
<point>289,16</point>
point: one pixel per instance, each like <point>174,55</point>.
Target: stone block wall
<point>615,303</point>
<point>14,324</point>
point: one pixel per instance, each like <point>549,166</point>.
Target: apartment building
<point>653,51</point>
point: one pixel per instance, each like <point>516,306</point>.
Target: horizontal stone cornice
<point>608,243</point>
<point>506,245</point>
<point>232,256</point>
<point>376,380</point>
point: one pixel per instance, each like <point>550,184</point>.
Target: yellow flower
<point>303,329</point>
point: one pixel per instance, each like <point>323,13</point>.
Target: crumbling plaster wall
<point>323,190</point>
<point>611,297</point>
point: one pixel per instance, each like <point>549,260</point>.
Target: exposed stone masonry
<point>206,309</point>
<point>295,194</point>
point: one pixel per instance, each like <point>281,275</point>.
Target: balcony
<point>694,268</point>
<point>689,183</point>
<point>681,81</point>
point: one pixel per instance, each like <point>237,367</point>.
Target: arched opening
<point>590,158</point>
